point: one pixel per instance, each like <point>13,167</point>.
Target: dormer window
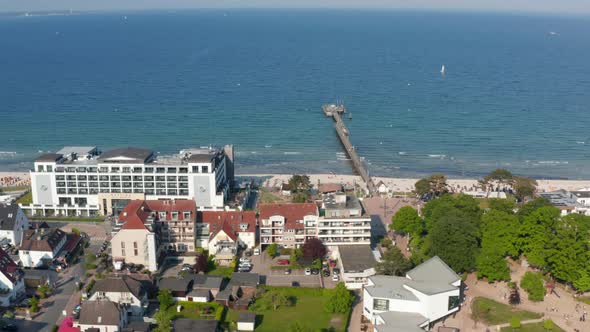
<point>162,214</point>
<point>186,215</point>
<point>174,215</point>
<point>243,227</point>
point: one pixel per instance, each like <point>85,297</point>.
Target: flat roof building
<point>83,181</point>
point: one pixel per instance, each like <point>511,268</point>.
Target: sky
<point>543,6</point>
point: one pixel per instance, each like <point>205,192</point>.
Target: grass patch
<point>222,271</point>
<point>69,219</point>
<point>534,327</point>
<point>194,310</point>
<point>267,197</point>
<point>307,309</point>
<point>26,199</point>
<point>493,312</point>
<point>584,299</point>
<point>15,188</point>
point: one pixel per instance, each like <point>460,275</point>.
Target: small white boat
<point>443,70</point>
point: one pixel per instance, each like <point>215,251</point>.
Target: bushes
<point>340,300</point>
<point>272,250</point>
<point>515,322</point>
<point>548,325</point>
<point>90,285</point>
<point>533,284</point>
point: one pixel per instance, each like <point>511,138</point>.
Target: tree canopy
<point>393,263</point>
<point>407,220</point>
<point>314,248</point>
<point>434,185</point>
<point>340,300</point>
<point>524,187</point>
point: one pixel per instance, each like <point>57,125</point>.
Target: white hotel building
<point>83,181</point>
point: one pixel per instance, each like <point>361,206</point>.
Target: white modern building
<point>356,263</point>
<point>101,316</point>
<point>343,222</point>
<point>13,223</point>
<point>429,292</point>
<point>569,201</point>
<point>84,181</point>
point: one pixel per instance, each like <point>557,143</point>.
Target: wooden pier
<point>335,111</point>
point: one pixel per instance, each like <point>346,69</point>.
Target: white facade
<point>101,328</point>
<point>136,246</point>
<point>35,258</point>
<point>74,184</point>
<point>14,235</point>
<point>246,326</point>
<point>10,290</point>
<point>429,298</point>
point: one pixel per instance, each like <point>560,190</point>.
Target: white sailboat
<point>443,70</point>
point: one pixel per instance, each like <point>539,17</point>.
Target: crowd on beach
<point>14,181</point>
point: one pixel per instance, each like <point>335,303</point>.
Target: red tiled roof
<point>42,239</point>
<point>292,212</point>
<point>7,266</point>
<point>229,221</point>
<point>330,187</point>
<point>136,213</point>
<point>73,240</point>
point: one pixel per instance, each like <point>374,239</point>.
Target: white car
<point>335,278</point>
<point>256,252</point>
<point>245,260</point>
<point>307,271</point>
<point>245,264</point>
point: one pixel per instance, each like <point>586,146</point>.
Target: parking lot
<point>277,277</point>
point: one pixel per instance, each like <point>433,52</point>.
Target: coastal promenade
<point>334,111</point>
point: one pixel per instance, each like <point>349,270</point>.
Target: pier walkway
<point>334,111</point>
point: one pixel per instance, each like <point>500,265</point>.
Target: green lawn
<point>534,327</point>
<point>222,271</point>
<point>493,312</point>
<point>267,197</point>
<point>308,309</point>
<point>584,299</point>
<point>26,199</point>
<point>15,188</point>
<point>194,310</point>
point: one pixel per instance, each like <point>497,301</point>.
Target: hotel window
<point>49,168</point>
<point>149,169</point>
<point>122,248</point>
<point>103,170</point>
<point>205,169</point>
<point>183,170</point>
<point>174,215</point>
<point>195,169</point>
<point>171,178</point>
<point>115,169</point>
<point>126,169</point>
<point>60,177</point>
<point>380,304</point>
<point>171,169</point>
<point>71,169</point>
<point>186,215</point>
<point>40,168</point>
<point>160,170</point>
<point>136,169</point>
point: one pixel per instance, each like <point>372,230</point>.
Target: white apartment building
<point>569,201</point>
<point>84,181</point>
<point>341,221</point>
<point>427,293</point>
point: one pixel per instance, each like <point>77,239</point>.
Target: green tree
<point>300,197</point>
<point>501,230</point>
<point>502,204</point>
<point>163,321</point>
<point>272,250</point>
<point>532,206</point>
<point>34,304</point>
<point>582,283</point>
<point>340,300</point>
<point>438,208</point>
<point>500,175</point>
<point>524,187</point>
<point>492,265</point>
<point>569,247</point>
<point>277,299</point>
<point>165,299</point>
<point>422,187</point>
<point>535,235</point>
<point>43,290</point>
<point>297,326</point>
<point>533,284</point>
<point>299,183</point>
<point>407,220</point>
<point>76,231</point>
<point>454,238</point>
<point>393,263</point>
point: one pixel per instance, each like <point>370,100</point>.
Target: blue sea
<point>516,93</point>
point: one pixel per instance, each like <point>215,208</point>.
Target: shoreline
<point>407,184</point>
<point>394,184</point>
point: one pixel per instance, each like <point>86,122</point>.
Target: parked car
<point>336,271</point>
<point>248,253</point>
<point>315,272</point>
<point>244,268</point>
<point>256,252</point>
<point>245,264</point>
<point>283,262</point>
<point>245,260</point>
<point>287,271</point>
<point>335,277</point>
<point>326,272</point>
<point>307,271</point>
<point>6,326</point>
<point>76,311</point>
<point>332,263</point>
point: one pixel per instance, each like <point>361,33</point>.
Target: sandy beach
<point>407,185</point>
<point>13,179</point>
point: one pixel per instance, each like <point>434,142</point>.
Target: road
<point>65,295</point>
